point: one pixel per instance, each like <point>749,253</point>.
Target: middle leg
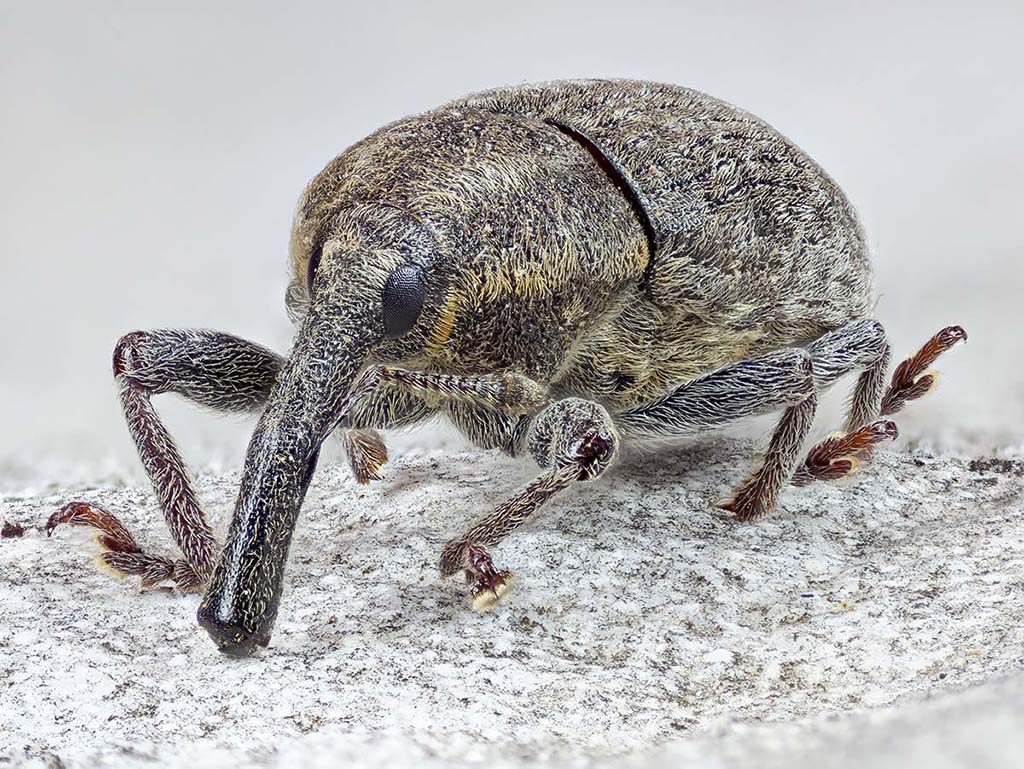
<point>860,345</point>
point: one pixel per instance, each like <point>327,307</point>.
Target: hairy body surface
<point>557,268</point>
<point>741,244</point>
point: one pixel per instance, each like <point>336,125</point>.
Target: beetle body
<point>610,238</point>
<point>556,268</point>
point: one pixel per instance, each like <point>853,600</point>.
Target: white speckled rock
<point>640,617</point>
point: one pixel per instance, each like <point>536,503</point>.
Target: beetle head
<point>370,290</point>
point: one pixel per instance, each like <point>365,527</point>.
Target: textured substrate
<point>884,613</point>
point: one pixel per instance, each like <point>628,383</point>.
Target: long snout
<point>241,600</point>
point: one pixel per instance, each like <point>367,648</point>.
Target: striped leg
<point>213,369</point>
<point>781,379</point>
<point>574,440</point>
<point>862,345</point>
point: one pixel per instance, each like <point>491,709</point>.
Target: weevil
<point>559,269</point>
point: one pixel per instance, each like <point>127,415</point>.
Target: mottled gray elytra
<point>557,268</point>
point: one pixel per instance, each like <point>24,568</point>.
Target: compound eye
<point>403,299</point>
<point>311,268</point>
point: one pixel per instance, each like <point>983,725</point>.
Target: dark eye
<point>314,262</point>
<point>403,300</point>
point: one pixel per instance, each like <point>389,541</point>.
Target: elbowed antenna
<point>240,604</point>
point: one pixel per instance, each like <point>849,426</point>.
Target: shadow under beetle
<point>557,268</point>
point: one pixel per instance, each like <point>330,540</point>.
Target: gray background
<point>152,156</point>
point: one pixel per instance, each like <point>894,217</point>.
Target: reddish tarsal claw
<point>884,429</point>
<point>911,380</point>
<point>950,335</point>
<point>837,456</point>
<point>113,535</point>
<point>121,553</point>
<point>488,584</point>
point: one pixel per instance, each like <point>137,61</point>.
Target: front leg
<point>576,441</point>
<point>505,392</point>
<point>383,408</point>
<point>387,397</point>
<point>213,369</point>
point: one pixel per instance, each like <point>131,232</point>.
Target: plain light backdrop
<point>152,155</point>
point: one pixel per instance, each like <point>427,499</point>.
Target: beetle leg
<point>366,454</point>
<point>505,391</point>
<point>375,409</point>
<point>910,380</point>
<point>576,441</point>
<point>469,553</point>
<point>836,456</point>
<point>743,389</point>
<point>386,397</point>
<point>756,496</point>
<point>859,345</point>
<point>213,369</point>
<point>488,585</point>
<point>862,344</point>
<point>121,553</point>
<point>780,379</point>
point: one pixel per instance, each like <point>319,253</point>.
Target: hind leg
<point>911,379</point>
<point>863,345</point>
<point>757,496</point>
<point>782,379</point>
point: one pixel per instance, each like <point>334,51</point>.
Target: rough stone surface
<point>644,626</point>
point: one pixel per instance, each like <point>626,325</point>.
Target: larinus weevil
<point>558,268</point>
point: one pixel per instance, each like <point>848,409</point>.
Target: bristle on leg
<point>367,454</point>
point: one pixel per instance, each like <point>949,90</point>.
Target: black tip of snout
<point>231,637</point>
